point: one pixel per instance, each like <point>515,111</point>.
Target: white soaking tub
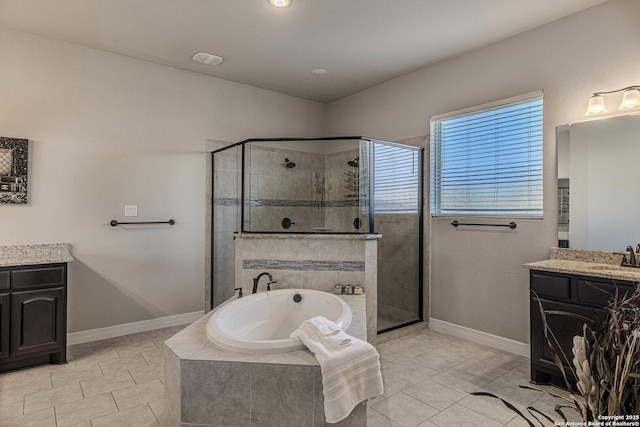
<point>261,323</point>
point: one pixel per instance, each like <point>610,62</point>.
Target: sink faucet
<point>257,279</point>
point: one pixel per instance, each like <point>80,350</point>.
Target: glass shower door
<point>397,206</point>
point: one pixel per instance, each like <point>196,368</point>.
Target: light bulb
<point>280,3</point>
<point>596,106</point>
<point>630,99</point>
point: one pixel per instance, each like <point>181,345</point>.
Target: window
<point>396,179</point>
<point>487,160</point>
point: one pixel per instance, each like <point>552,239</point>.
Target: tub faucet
<point>257,279</point>
<point>632,257</point>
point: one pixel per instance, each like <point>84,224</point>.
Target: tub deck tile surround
<point>206,385</point>
<point>49,253</point>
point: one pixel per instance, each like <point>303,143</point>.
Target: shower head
<point>354,163</point>
<point>288,163</point>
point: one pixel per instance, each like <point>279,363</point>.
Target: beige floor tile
<point>138,416</point>
<point>122,363</point>
<point>43,418</point>
<point>436,362</point>
<point>22,382</point>
<point>11,409</point>
<point>393,384</point>
<point>147,373</point>
<point>49,398</point>
<point>87,355</point>
<point>481,368</point>
<point>172,330</point>
<point>109,342</point>
<point>491,408</point>
<point>460,381</point>
<point>157,406</point>
<point>427,424</point>
<point>135,347</point>
<point>405,410</point>
<point>139,394</point>
<point>107,383</point>
<point>84,410</point>
<point>157,334</point>
<point>153,356</point>
<point>435,394</point>
<point>458,415</point>
<point>376,419</point>
<point>412,371</point>
<point>510,391</point>
<point>501,359</point>
<point>75,373</point>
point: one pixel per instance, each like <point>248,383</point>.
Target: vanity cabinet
<point>33,313</point>
<point>568,301</point>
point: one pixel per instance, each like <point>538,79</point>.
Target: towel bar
<point>511,225</point>
<point>114,222</point>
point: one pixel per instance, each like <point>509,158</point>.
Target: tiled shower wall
<point>312,194</point>
<point>311,262</point>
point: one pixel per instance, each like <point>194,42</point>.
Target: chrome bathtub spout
<point>257,279</point>
<point>632,256</point>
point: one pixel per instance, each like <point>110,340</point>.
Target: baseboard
<point>132,328</point>
<point>505,344</point>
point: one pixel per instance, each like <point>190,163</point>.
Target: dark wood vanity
<point>568,301</point>
<point>33,315</point>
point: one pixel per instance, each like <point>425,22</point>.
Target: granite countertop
<point>50,253</point>
<point>192,342</point>
<point>586,263</point>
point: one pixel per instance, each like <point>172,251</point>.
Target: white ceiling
<point>361,43</point>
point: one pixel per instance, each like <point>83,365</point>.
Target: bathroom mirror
<point>598,183</point>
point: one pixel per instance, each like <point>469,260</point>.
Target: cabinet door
<point>565,321</point>
<point>38,321</point>
<point>4,325</point>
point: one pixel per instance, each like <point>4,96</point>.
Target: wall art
<point>14,154</point>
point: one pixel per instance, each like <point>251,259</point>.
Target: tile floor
<point>119,382</point>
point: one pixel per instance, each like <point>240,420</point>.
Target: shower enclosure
<point>338,185</point>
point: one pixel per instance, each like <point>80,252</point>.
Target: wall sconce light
<point>630,101</point>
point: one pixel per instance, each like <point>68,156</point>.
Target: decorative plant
<point>606,364</point>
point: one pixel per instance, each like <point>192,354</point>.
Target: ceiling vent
<point>207,58</point>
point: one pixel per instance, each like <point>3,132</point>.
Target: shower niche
<point>337,185</point>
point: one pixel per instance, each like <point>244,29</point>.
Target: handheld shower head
<point>354,163</point>
<point>288,163</point>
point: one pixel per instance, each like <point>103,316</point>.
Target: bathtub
<point>261,323</point>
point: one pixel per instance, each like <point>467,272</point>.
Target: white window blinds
<point>488,162</point>
<point>396,179</point>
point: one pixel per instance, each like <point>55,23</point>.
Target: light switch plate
<point>130,210</point>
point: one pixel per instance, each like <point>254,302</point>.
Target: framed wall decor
<point>14,154</point>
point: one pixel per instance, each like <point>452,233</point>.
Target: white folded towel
<point>339,340</point>
<point>324,326</point>
<point>350,373</point>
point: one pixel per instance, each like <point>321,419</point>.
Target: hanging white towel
<point>350,373</point>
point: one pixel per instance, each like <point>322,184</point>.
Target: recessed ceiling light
<point>319,72</point>
<point>207,58</point>
<point>280,3</point>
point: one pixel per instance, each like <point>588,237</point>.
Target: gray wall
<point>477,278</point>
<point>108,130</point>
